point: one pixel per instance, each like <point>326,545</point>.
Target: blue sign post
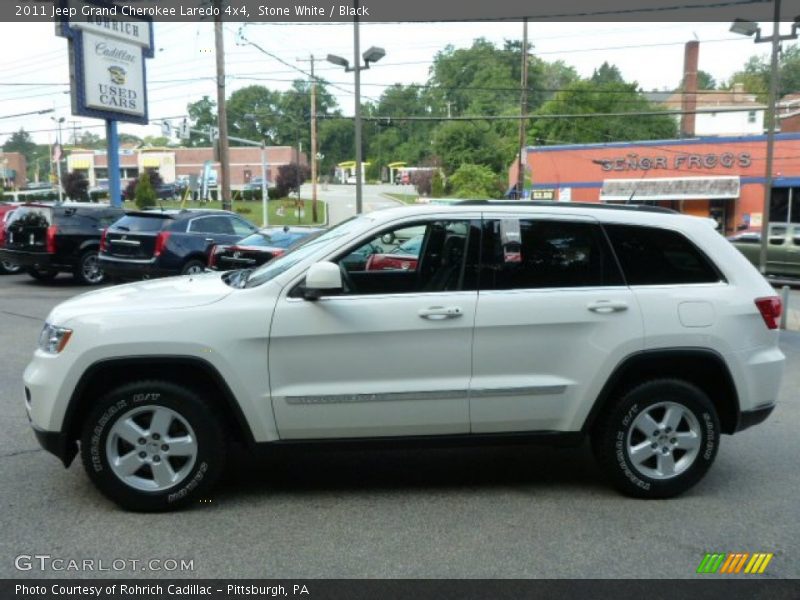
<point>108,74</point>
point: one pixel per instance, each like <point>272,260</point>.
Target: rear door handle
<point>439,313</point>
<point>607,306</point>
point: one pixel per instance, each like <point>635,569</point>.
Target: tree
<point>87,139</point>
<point>76,186</point>
<point>155,182</point>
<point>705,81</point>
<point>437,184</point>
<point>20,141</point>
<point>145,194</point>
<point>607,74</point>
<point>156,141</point>
<point>475,181</point>
<point>460,142</point>
<point>290,178</point>
<point>129,139</point>
<point>202,116</point>
<point>336,142</point>
<point>587,97</point>
<point>254,113</point>
<point>755,75</point>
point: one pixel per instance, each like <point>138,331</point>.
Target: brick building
<point>182,163</point>
<point>13,170</point>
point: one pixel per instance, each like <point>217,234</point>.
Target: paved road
<point>341,199</point>
<point>494,512</point>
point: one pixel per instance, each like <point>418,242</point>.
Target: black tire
<point>190,266</point>
<point>144,398</point>
<point>620,433</point>
<point>42,274</point>
<point>9,268</point>
<point>88,271</point>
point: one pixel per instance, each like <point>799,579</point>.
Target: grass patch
<point>281,212</point>
<point>404,198</point>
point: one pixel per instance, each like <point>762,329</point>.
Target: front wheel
<point>659,439</point>
<point>153,446</point>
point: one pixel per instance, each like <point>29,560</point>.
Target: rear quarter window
<point>655,256</point>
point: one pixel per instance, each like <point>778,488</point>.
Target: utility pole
<point>357,115</point>
<point>311,60</point>
<point>222,116</point>
<point>523,109</point>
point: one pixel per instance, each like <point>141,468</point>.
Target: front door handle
<point>607,306</point>
<point>439,313</point>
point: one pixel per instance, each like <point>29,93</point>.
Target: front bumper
<point>58,444</point>
<point>748,418</point>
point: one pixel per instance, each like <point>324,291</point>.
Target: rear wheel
<point>9,268</point>
<point>42,274</point>
<point>193,267</point>
<point>659,439</point>
<point>153,446</point>
<point>89,271</point>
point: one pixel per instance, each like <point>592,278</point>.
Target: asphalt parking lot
<point>506,512</point>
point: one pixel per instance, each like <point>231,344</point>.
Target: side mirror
<point>322,278</point>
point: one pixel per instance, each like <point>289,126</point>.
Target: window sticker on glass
<point>511,240</point>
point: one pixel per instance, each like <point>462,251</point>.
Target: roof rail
<point>544,203</point>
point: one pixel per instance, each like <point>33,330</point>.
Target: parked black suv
<point>46,239</point>
<point>167,242</point>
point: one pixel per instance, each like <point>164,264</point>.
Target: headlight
<point>54,339</point>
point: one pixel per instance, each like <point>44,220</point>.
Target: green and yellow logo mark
<point>735,562</point>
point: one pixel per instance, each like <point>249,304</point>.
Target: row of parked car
<point>95,242</point>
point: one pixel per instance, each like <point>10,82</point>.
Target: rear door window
<point>539,253</point>
<point>216,225</point>
<point>655,256</point>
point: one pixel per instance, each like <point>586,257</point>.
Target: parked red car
<point>6,210</point>
<point>402,258</point>
<point>258,248</point>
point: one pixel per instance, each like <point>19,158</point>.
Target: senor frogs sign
<point>113,75</point>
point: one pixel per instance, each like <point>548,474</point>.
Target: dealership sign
<point>107,62</point>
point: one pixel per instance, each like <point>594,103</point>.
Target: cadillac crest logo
<point>118,75</point>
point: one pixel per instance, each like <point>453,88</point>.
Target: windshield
<point>31,216</point>
<point>279,265</point>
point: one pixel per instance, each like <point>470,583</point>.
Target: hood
<point>171,293</point>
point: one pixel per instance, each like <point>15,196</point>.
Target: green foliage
<point>705,81</point>
<point>145,195</point>
<point>202,115</point>
<point>470,142</point>
<point>756,74</point>
<point>20,141</point>
<point>475,181</point>
<point>437,185</point>
<point>586,97</point>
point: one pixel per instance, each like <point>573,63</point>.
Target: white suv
<point>643,329</point>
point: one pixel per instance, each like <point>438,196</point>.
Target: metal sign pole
<point>114,187</point>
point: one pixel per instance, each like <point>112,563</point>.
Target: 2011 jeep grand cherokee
<point>642,329</point>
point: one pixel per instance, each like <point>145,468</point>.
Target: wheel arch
<point>702,367</point>
<point>195,373</point>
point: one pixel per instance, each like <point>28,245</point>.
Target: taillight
<point>161,242</point>
<point>103,244</point>
<point>2,237</point>
<point>51,239</point>
<point>277,253</point>
<point>770,308</point>
<point>212,258</point>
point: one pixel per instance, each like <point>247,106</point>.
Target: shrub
<point>290,178</point>
<point>437,185</point>
<point>475,181</point>
<point>145,195</point>
<point>76,186</point>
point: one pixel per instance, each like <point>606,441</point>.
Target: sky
<point>184,65</point>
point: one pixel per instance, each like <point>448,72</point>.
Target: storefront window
<point>785,205</point>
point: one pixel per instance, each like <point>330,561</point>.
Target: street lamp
<point>59,121</point>
<point>749,28</point>
<point>373,54</point>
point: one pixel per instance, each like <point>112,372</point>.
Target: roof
<point>717,98</point>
